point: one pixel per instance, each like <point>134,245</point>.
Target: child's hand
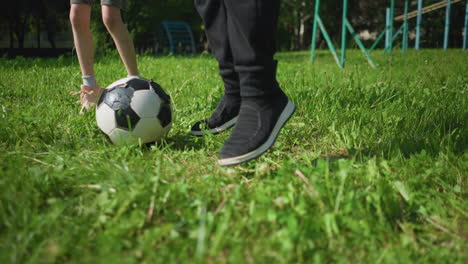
<point>88,96</point>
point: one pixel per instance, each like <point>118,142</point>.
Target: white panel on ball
<point>119,137</point>
<point>148,129</point>
<point>105,118</point>
<point>146,103</point>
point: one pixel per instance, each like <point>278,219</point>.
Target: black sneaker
<point>223,118</point>
<point>260,121</point>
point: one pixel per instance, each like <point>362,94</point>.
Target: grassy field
<point>372,168</point>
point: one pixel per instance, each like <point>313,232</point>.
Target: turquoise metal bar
<point>392,11</point>
<point>405,29</point>
<point>376,42</point>
<point>343,32</point>
<point>314,32</point>
<point>387,28</point>
<point>465,30</point>
<point>418,24</point>
<point>318,25</point>
<point>447,24</point>
<point>358,41</point>
<point>169,36</point>
<point>397,33</point>
<point>329,42</point>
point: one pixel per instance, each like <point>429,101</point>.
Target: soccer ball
<point>133,110</point>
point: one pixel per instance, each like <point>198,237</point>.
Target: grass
<point>372,168</point>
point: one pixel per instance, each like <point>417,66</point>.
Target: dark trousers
<point>242,35</point>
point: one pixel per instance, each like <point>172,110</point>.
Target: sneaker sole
<point>288,111</point>
<point>216,130</point>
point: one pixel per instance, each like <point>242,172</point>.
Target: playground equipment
<point>426,9</point>
<point>175,37</point>
<point>346,26</point>
<point>406,16</point>
<point>389,33</point>
<point>420,11</point>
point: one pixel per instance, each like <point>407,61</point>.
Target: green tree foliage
<point>144,16</point>
<point>17,15</point>
<point>23,16</point>
<point>294,25</point>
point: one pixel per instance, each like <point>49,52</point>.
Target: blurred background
<point>42,28</point>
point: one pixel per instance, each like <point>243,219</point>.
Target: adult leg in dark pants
<point>213,13</point>
<point>250,28</point>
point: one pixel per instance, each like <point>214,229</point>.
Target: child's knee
<point>112,19</point>
<point>79,15</point>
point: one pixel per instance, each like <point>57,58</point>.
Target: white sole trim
<point>216,130</point>
<point>284,117</point>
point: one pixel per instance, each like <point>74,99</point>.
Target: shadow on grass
<point>185,142</point>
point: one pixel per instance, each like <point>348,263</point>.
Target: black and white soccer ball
<point>133,110</point>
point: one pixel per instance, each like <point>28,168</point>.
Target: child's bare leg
<point>80,20</point>
<point>80,15</point>
<point>114,24</point>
